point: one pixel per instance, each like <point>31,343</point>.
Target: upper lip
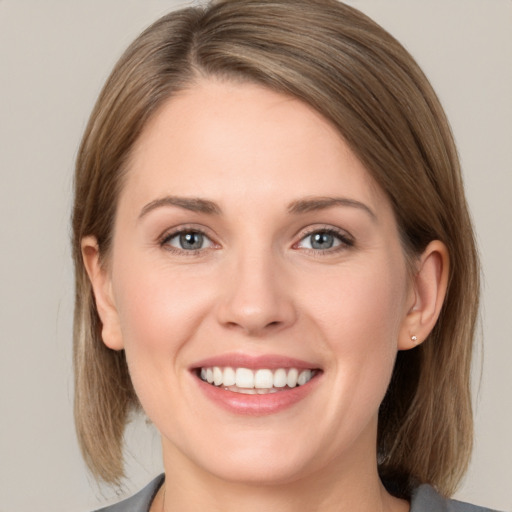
<point>268,361</point>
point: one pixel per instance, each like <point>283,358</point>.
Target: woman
<point>274,260</point>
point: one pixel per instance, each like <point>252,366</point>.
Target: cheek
<point>360,313</point>
<point>365,298</point>
<point>160,312</point>
<point>159,309</point>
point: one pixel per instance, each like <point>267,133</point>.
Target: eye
<point>324,240</point>
<point>189,240</point>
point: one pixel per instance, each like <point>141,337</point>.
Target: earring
<point>414,339</point>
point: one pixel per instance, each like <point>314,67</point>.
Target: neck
<point>340,487</point>
<point>296,497</point>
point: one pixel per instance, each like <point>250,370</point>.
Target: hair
<point>366,84</point>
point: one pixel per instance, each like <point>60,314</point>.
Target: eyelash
<point>167,237</point>
<point>345,241</point>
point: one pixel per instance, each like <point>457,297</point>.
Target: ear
<point>428,291</point>
<point>102,287</point>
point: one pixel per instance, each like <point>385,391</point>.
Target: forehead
<point>219,138</point>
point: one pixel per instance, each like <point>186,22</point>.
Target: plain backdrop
<point>54,57</point>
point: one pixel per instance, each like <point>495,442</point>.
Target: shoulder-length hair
<point>365,83</point>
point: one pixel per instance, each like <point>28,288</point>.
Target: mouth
<point>256,385</point>
<point>259,381</point>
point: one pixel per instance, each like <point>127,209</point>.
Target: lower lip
<point>257,405</point>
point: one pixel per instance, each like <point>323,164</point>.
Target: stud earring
<point>414,339</point>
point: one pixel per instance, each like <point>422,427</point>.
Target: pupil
<point>322,241</point>
<point>191,240</point>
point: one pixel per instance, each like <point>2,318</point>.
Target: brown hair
<point>359,77</point>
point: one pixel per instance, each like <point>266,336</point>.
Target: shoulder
<point>426,499</point>
<point>139,502</point>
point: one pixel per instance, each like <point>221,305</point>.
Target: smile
<point>258,381</point>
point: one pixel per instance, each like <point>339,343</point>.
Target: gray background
<point>54,57</point>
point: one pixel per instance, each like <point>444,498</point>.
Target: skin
<point>256,287</point>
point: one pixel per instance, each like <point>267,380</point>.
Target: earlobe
<point>428,292</point>
<point>102,287</point>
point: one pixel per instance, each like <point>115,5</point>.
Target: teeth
<point>291,379</point>
<point>245,391</point>
<point>280,378</point>
<point>217,376</point>
<point>229,377</point>
<point>261,381</point>
<point>244,378</point>
<point>304,377</point>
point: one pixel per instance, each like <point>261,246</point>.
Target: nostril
<point>255,310</point>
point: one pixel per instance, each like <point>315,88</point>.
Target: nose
<point>256,297</point>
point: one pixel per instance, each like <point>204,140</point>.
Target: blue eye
<point>188,241</point>
<point>324,240</point>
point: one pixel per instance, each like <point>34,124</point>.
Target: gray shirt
<point>424,499</point>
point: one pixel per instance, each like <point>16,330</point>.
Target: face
<point>258,286</point>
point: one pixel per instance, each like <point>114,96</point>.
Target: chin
<point>260,470</point>
<point>247,457</point>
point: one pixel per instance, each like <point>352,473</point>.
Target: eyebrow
<point>311,204</point>
<point>193,204</point>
